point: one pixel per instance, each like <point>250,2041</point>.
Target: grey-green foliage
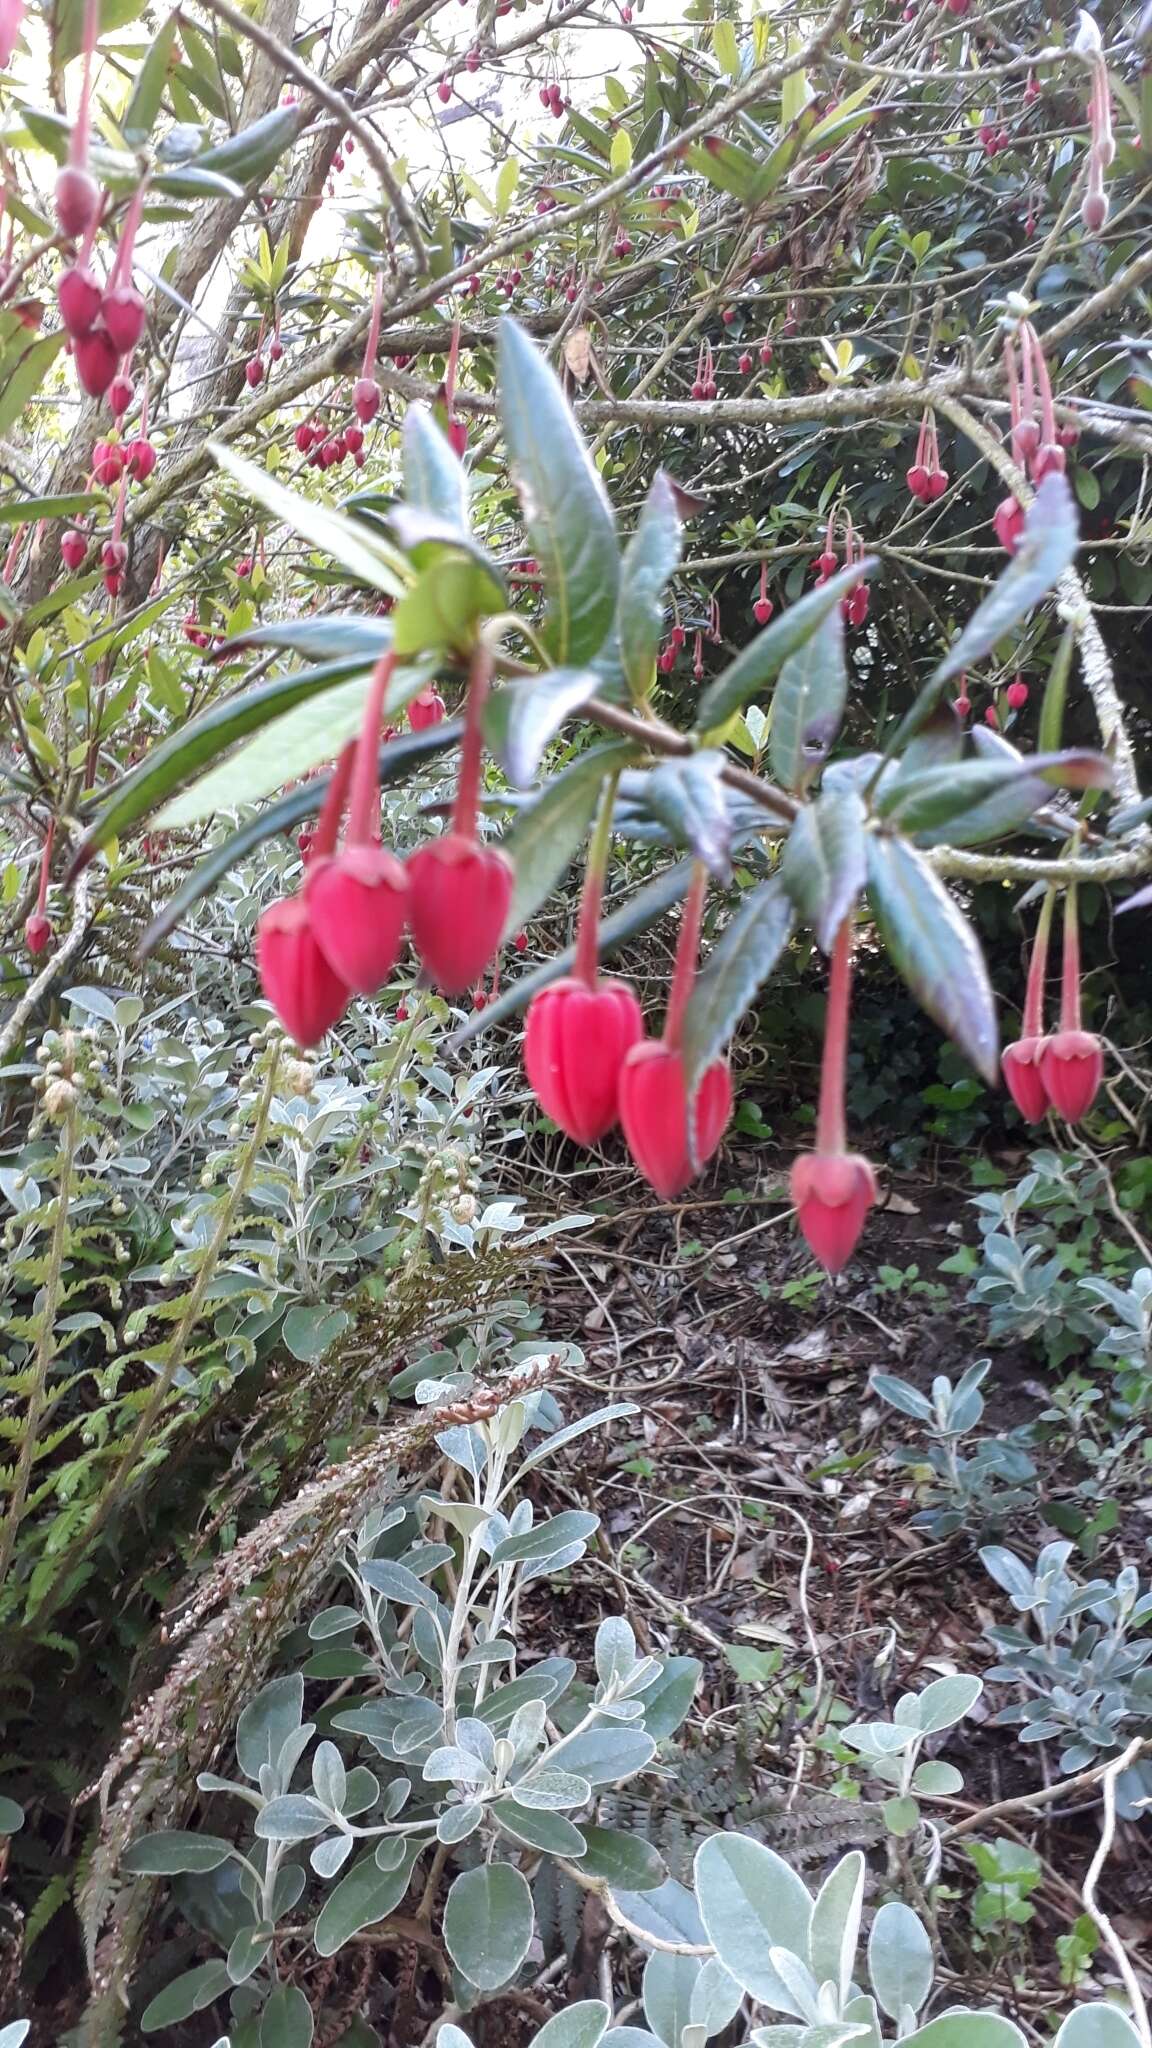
<point>978,1489</point>
<point>1077,1656</point>
<point>893,1751</point>
<point>445,1741</point>
<point>779,1950</point>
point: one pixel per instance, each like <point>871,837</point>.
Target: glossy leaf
<point>1051,537</point>
<point>147,96</point>
<point>189,748</point>
<point>808,703</point>
<point>688,796</point>
<point>765,656</point>
<point>933,949</point>
<point>650,560</point>
<point>523,716</point>
<point>69,505</point>
<point>325,637</point>
<point>738,965</point>
<point>924,802</point>
<point>397,759</point>
<point>358,548</point>
<point>549,832</point>
<point>255,150</point>
<point>488,1924</point>
<point>568,518</point>
<point>283,752</point>
<point>634,916</point>
<point>434,478</point>
<point>825,860</point>
<point>365,1895</point>
<point>22,372</point>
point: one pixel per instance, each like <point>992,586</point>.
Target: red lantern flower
<point>832,1188</point>
<point>460,889</point>
<point>304,990</point>
<point>654,1107</point>
<point>358,898</point>
<point>575,1041</point>
<point>1072,1063</point>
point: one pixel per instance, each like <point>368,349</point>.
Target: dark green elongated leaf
<point>190,181</point>
<point>1051,536</point>
<point>398,758</point>
<point>315,731</point>
<point>176,760</point>
<point>434,478</point>
<point>148,92</point>
<point>764,657</point>
<point>920,803</point>
<point>688,796</point>
<point>521,718</point>
<point>366,1894</point>
<point>738,965</point>
<point>172,1850</point>
<point>69,505</point>
<point>549,833</point>
<point>939,740</point>
<point>641,910</point>
<point>67,20</point>
<point>933,948</point>
<point>824,865</point>
<point>22,372</point>
<point>1051,733</point>
<point>358,548</point>
<point>725,165</point>
<point>650,559</point>
<point>334,636</point>
<point>808,703</point>
<point>567,515</point>
<point>252,153</point>
<point>186,1994</point>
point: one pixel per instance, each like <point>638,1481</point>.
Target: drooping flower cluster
<point>1063,1070</point>
<point>927,480</point>
<point>1038,444</point>
<point>341,933</point>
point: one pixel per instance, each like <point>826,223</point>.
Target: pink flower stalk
<point>366,391</point>
<point>358,899</point>
<point>832,1188</point>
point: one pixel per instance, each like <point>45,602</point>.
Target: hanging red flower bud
<point>305,435</point>
<point>96,358</point>
<point>304,990</point>
<point>124,312</point>
<point>358,898</point>
<point>745,364</point>
<point>73,549</point>
<point>578,1031</point>
<point>1008,521</point>
<point>37,932</point>
<point>763,608</point>
<point>1072,1063</point>
<point>425,710</point>
<point>366,399</point>
<point>653,1093</point>
<point>1017,693</point>
<point>461,890</point>
<point>107,462</point>
<point>77,201</point>
<point>254,371</point>
<point>366,391</point>
<point>121,392</point>
<point>832,1188</point>
<point>141,460</point>
<point>1021,1063</point>
<point>79,295</point>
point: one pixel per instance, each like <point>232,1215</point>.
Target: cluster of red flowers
<point>341,933</point>
<point>855,606</point>
<point>927,480</point>
<point>104,321</point>
<point>114,462</point>
<point>1037,443</point>
<point>1062,1070</point>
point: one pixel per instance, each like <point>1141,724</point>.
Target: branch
<point>1114,1944</point>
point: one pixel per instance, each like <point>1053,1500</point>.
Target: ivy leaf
<point>521,718</point>
<point>739,964</point>
<point>1051,537</point>
<point>808,703</point>
<point>933,948</point>
<point>567,515</point>
<point>634,916</point>
<point>549,833</point>
<point>825,862</point>
<point>650,559</point>
<point>764,657</point>
<point>688,796</point>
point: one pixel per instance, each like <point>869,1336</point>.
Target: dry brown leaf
<point>578,354</point>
